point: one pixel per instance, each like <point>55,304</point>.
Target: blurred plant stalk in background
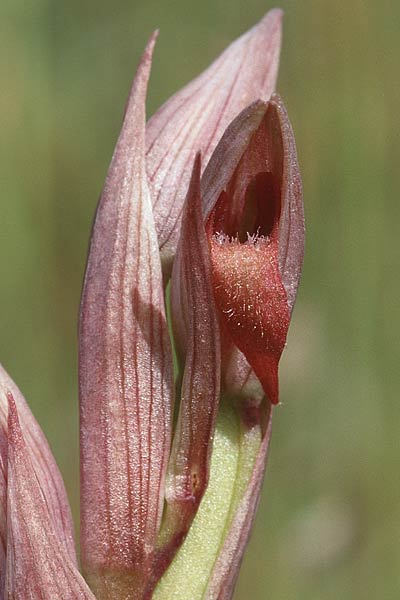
<point>167,504</point>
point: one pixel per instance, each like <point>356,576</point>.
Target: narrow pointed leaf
<point>38,563</point>
<point>126,383</point>
<point>195,118</point>
<point>196,330</point>
<point>46,469</point>
<point>252,197</point>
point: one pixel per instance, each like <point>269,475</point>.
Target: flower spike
<point>195,118</point>
<point>126,378</point>
<point>167,504</point>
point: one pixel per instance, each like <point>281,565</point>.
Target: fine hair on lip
<point>253,239</point>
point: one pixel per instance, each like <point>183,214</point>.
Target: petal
<point>226,567</point>
<point>126,376</point>
<point>196,328</point>
<point>195,118</point>
<point>291,231</point>
<point>227,155</point>
<point>263,132</point>
<point>252,197</point>
<point>38,563</point>
<point>45,467</point>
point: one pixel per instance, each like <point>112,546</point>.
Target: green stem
<point>234,451</point>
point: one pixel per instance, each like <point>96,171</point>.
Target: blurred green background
<point>329,523</point>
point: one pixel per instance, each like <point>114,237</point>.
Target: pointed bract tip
<point>137,94</point>
<point>149,48</point>
<point>194,204</point>
<point>274,13</point>
<point>147,57</point>
<point>277,102</point>
<point>196,167</point>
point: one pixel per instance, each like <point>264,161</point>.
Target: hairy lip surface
<point>252,301</point>
<point>254,215</point>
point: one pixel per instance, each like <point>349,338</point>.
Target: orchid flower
<point>196,253</point>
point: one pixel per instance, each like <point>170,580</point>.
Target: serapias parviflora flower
<point>207,196</point>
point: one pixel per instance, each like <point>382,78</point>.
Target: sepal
<point>196,331</point>
<point>45,467</point>
<point>194,119</point>
<point>126,382</point>
<point>38,563</point>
